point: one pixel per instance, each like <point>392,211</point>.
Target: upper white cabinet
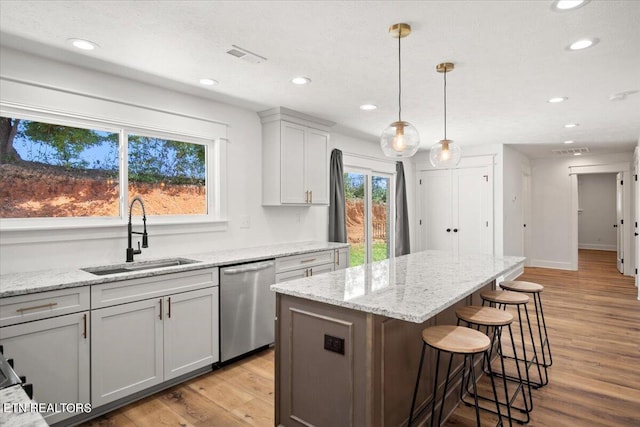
<point>457,210</point>
<point>295,158</point>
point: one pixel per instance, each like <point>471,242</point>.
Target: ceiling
<point>510,58</point>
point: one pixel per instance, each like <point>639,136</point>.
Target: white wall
<point>597,214</point>
<point>552,240</point>
<point>29,250</point>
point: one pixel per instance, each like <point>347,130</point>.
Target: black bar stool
<point>490,317</point>
<point>535,289</point>
<point>454,340</point>
<point>502,299</point>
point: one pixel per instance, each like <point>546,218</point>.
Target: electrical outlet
<point>334,344</point>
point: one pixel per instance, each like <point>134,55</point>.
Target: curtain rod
<point>364,156</point>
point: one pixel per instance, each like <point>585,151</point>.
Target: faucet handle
<point>145,240</point>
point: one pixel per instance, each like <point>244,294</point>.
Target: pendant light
<point>400,139</point>
<point>445,153</point>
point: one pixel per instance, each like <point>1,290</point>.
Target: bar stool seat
<point>504,298</point>
<point>456,339</point>
<point>491,317</point>
<point>453,340</point>
<point>535,289</point>
<point>521,286</point>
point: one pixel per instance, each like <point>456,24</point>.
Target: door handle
<point>448,230</point>
<point>615,225</point>
<point>455,230</point>
<point>635,234</point>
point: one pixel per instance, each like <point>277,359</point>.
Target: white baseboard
<point>551,264</point>
<point>597,247</point>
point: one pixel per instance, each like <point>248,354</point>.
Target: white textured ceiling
<point>510,58</point>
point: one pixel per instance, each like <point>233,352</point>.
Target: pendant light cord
<point>445,103</point>
<point>399,78</point>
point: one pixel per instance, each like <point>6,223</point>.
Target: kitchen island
<point>348,342</point>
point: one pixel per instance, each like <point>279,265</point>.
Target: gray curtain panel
<point>337,216</point>
<point>402,215</point>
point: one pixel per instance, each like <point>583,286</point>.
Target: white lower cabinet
<point>127,350</point>
<point>140,344</point>
<point>54,356</point>
<point>190,332</point>
<point>151,330</point>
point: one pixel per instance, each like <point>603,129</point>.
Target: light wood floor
<point>593,320</point>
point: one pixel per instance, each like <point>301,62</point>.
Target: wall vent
<point>245,55</point>
<point>571,151</point>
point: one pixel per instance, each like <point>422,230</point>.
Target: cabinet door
<point>342,258</point>
<point>317,166</point>
<point>319,269</point>
<point>473,207</point>
<point>292,182</point>
<point>190,331</point>
<point>126,349</point>
<point>437,209</point>
<point>54,356</point>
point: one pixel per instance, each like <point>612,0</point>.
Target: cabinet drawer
<point>304,272</point>
<point>125,291</point>
<point>296,262</point>
<point>25,308</point>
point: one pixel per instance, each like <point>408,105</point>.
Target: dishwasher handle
<point>248,268</point>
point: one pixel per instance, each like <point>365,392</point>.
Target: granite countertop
<point>48,280</point>
<point>16,409</point>
<point>413,287</point>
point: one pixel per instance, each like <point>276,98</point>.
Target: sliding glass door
<point>369,215</point>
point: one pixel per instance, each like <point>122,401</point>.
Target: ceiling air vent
<point>571,151</point>
<point>245,55</point>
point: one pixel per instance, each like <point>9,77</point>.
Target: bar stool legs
<point>501,299</point>
<point>454,340</point>
<point>497,319</point>
<point>535,290</point>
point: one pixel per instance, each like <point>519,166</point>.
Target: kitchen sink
<point>138,266</point>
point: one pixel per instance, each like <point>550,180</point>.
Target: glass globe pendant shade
<point>400,140</point>
<point>445,154</point>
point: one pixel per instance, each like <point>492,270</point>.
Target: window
<point>368,209</point>
<point>52,170</point>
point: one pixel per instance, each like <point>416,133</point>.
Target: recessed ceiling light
<point>558,99</point>
<point>571,125</point>
<point>583,44</point>
<point>564,5</point>
<point>577,154</point>
<point>208,82</point>
<point>569,142</point>
<point>83,44</point>
<point>301,80</point>
<point>368,107</point>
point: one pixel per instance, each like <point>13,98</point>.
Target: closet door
<point>437,209</point>
<point>472,211</point>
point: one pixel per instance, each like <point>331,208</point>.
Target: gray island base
<point>348,342</point>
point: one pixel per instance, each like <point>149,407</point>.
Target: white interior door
<point>437,210</point>
<point>472,207</point>
<point>620,222</point>
<point>526,215</point>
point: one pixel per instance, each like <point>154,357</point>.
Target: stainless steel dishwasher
<point>247,308</point>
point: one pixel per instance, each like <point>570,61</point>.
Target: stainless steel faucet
<point>145,240</point>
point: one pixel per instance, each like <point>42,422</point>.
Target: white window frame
<point>369,167</point>
<point>215,153</point>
